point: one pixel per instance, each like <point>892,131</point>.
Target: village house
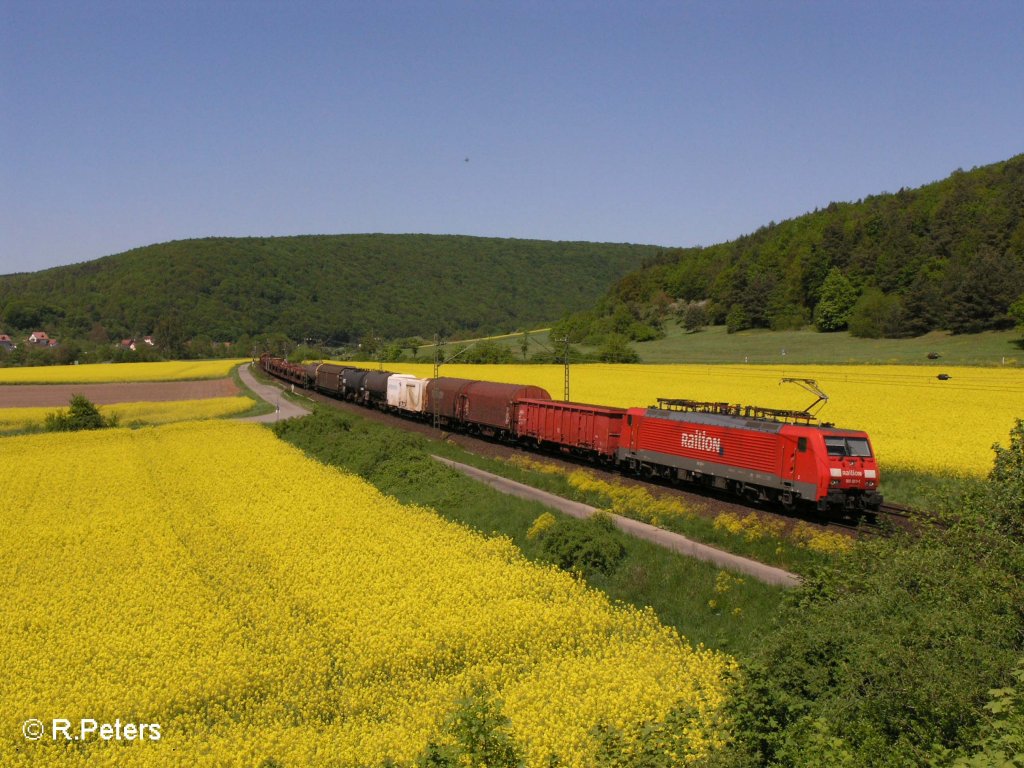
<point>40,339</point>
<point>7,343</point>
<point>132,344</point>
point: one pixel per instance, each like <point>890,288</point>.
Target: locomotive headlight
<point>870,483</point>
<point>834,483</point>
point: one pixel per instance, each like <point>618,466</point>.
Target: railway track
<point>889,519</point>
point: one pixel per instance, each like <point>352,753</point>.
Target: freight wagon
<point>374,391</point>
<point>587,431</point>
<point>407,394</point>
<point>484,407</point>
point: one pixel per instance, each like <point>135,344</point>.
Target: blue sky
<point>686,123</point>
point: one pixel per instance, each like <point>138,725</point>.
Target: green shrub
<point>585,546</point>
<point>1001,742</point>
<point>81,414</point>
<point>476,735</point>
<point>616,349</point>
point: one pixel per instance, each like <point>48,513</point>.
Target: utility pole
<point>438,354</point>
<point>565,339</point>
<point>438,359</point>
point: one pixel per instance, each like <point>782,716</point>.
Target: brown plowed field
<point>41,395</point>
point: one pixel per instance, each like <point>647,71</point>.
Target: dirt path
<point>667,539</point>
<point>44,395</point>
<point>286,409</point>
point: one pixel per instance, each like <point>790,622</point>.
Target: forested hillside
<point>948,255</point>
<point>334,288</point>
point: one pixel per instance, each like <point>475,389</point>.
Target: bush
<point>584,546</point>
<point>1002,737</point>
<point>1006,486</point>
<point>81,414</point>
<point>617,350</point>
<point>476,735</point>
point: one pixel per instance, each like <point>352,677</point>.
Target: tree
<point>923,305</point>
<point>836,303</point>
<point>1017,312</point>
<point>616,349</point>
<point>981,289</point>
<point>877,315</point>
<point>695,316</point>
<point>736,320</point>
<point>170,335</point>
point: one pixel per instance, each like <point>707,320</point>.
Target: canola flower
<point>102,373</point>
<point>133,414</point>
<point>915,420</point>
<point>263,608</point>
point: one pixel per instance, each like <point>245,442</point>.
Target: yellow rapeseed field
<point>264,609</point>
<point>914,419</point>
<point>132,414</point>
<point>101,373</point>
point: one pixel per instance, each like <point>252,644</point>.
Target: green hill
<point>945,256</point>
<point>335,288</point>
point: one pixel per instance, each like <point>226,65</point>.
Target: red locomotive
<point>761,454</point>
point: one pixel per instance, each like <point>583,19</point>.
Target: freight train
<point>761,454</point>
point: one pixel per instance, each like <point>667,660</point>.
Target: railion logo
<point>700,441</point>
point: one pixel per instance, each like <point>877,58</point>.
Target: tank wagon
<point>760,454</point>
<point>374,391</point>
<point>352,383</point>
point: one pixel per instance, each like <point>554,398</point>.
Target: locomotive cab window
<point>836,446</point>
<point>801,444</point>
<point>848,446</point>
<point>858,446</point>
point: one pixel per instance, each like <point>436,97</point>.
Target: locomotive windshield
<point>848,446</point>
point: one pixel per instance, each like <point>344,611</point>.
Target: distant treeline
<point>948,255</point>
<point>331,289</point>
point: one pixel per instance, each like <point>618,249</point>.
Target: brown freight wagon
<point>479,406</point>
<point>328,378</point>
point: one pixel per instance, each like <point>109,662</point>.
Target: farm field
<point>102,373</point>
<point>915,420</point>
<point>134,414</point>
<point>713,345</point>
<point>809,347</point>
<point>258,625</point>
